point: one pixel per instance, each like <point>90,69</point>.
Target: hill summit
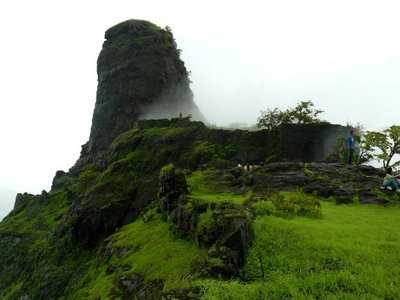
<point>140,76</point>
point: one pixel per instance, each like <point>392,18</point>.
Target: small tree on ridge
<point>303,113</point>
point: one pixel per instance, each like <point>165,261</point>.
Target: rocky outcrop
<point>60,180</point>
<point>345,184</point>
<point>223,229</point>
<point>135,286</point>
<point>140,75</point>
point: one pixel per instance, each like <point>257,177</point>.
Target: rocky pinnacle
<point>140,76</point>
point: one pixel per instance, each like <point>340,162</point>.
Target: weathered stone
<point>185,220</point>
<point>343,196</point>
<point>172,186</point>
<point>135,287</point>
<point>371,171</point>
<point>140,75</point>
<point>370,197</point>
<point>283,166</point>
<point>20,201</point>
<point>324,179</point>
<point>60,180</point>
<point>322,189</point>
<point>91,223</point>
<point>130,284</point>
<point>227,228</point>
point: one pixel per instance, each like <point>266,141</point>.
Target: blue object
<point>350,142</point>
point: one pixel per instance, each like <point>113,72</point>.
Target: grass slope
<point>353,251</point>
<point>143,247</point>
<point>350,252</point>
<point>208,186</point>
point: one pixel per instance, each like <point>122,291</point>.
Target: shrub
<point>288,205</point>
<point>296,204</point>
<point>264,208</point>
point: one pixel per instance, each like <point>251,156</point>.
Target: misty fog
<point>244,57</point>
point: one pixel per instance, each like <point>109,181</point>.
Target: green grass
<point>155,252</point>
<point>146,248</point>
<point>288,205</point>
<point>352,252</point>
<point>38,217</point>
<point>347,252</point>
<point>207,186</point>
<point>13,289</point>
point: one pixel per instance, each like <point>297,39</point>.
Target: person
<point>391,182</point>
<point>350,146</point>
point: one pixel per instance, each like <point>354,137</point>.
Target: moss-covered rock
<point>223,228</point>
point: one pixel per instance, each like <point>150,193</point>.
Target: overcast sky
<point>244,56</point>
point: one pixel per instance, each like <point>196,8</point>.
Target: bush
<point>288,205</point>
<point>264,208</point>
<point>297,204</point>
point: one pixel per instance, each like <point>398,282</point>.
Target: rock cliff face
<point>140,76</point>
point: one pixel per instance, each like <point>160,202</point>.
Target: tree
<point>362,153</point>
<point>385,145</point>
<point>365,152</point>
<point>270,119</point>
<point>303,113</point>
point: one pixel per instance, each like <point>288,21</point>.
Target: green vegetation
<point>147,248</point>
<point>289,205</point>
<point>162,256</point>
<point>206,222</point>
<point>384,145</point>
<point>303,113</point>
<point>105,229</point>
<point>352,252</point>
<point>210,187</point>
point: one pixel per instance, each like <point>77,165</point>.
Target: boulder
<point>370,197</point>
<point>343,195</point>
<point>322,189</point>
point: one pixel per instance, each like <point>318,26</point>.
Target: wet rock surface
<point>346,184</point>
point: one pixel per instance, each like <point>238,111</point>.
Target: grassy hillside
<point>352,251</point>
<point>103,232</point>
